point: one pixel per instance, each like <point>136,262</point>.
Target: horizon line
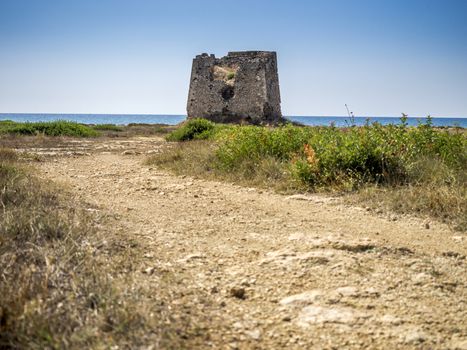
<point>184,115</point>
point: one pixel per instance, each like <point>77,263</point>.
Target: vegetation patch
<point>60,285</point>
<point>72,129</point>
<point>426,166</point>
<point>140,129</point>
<point>107,127</point>
<point>55,128</point>
<point>193,129</point>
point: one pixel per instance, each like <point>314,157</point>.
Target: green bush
<point>55,128</point>
<point>4,123</point>
<point>328,155</point>
<point>253,143</point>
<point>193,129</point>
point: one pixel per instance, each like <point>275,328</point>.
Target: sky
<point>381,57</point>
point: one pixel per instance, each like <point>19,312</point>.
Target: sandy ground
<point>259,270</point>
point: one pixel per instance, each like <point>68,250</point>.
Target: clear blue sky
<point>381,57</point>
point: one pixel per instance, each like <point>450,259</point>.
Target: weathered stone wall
<point>240,87</point>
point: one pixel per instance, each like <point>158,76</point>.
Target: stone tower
<point>240,87</point>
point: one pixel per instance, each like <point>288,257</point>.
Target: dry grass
<point>64,280</point>
<point>435,191</point>
<point>193,158</point>
<point>18,141</point>
<point>24,142</point>
<point>444,203</point>
<point>133,130</point>
<point>197,158</point>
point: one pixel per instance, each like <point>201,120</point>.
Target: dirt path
<point>265,271</point>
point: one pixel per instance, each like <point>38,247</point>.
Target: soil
<point>259,270</point>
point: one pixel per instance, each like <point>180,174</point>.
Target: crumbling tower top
<point>240,87</point>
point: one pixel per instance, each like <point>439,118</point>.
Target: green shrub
<point>325,156</point>
<point>328,155</point>
<point>252,143</point>
<point>7,122</point>
<point>193,129</point>
<point>55,128</point>
<point>230,76</point>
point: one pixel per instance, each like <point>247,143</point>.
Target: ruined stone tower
<point>240,87</point>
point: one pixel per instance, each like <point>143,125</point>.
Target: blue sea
<point>125,119</point>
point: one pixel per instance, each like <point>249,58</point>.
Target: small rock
<point>347,291</point>
<point>303,298</point>
<point>194,256</point>
<point>149,271</point>
<point>254,334</point>
<point>318,314</point>
<point>238,325</point>
<point>300,197</point>
<point>390,319</point>
<point>414,337</point>
<point>245,283</point>
<point>238,292</point>
<point>421,278</point>
<point>427,225</point>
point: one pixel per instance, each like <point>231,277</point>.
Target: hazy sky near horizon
<point>381,57</point>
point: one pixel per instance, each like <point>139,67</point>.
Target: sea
<point>125,119</point>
